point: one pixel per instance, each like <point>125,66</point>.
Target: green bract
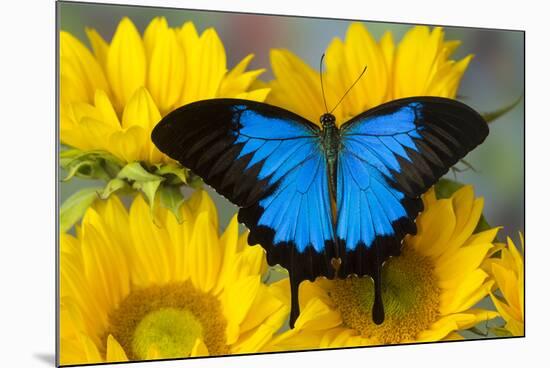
<point>160,183</point>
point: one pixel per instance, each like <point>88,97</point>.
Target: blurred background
<point>495,78</point>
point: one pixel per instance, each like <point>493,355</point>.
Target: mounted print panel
<point>237,183</point>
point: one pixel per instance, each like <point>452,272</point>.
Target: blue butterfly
<point>323,201</point>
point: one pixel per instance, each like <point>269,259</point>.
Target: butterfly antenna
<point>349,89</point>
<point>321,76</point>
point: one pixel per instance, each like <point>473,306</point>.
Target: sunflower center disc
<point>172,332</point>
<point>410,294</point>
<point>165,322</point>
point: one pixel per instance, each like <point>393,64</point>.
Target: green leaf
<point>482,225</point>
<point>74,207</point>
<point>171,198</point>
<point>493,115</point>
<point>445,188</point>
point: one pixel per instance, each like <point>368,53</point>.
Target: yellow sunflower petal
<point>463,261</point>
<point>229,238</point>
<point>140,110</point>
<point>439,216</point>
<point>90,349</point>
<point>453,336</point>
<point>180,233</point>
<point>238,299</point>
<point>199,202</point>
<point>174,66</point>
<point>266,306</point>
<point>503,309</point>
<point>152,264</point>
<point>470,290</point>
<point>209,56</point>
<point>126,62</point>
<point>460,321</point>
<point>317,316</point>
<point>115,353</point>
<point>166,64</point>
<point>128,144</point>
<point>256,95</point>
<point>296,78</point>
<point>78,65</point>
<point>467,212</point>
<point>120,270</point>
<point>204,254</point>
<point>199,349</point>
<point>388,49</point>
<point>517,328</point>
<point>237,80</point>
<point>261,336</point>
<point>100,47</point>
<point>486,236</point>
<point>371,90</point>
<point>106,109</point>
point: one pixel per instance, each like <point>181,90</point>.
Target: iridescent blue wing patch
<point>389,156</point>
<point>269,162</point>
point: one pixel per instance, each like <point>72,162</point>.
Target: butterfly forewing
<point>268,161</point>
<point>389,156</point>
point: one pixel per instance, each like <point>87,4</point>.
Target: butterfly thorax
<point>330,136</point>
<point>330,139</point>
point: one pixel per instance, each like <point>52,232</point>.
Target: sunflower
<point>507,271</point>
<point>418,66</point>
<point>131,289</point>
<point>429,291</point>
<point>112,98</point>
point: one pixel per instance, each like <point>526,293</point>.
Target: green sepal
<point>274,274</point>
<point>165,179</point>
<point>74,207</point>
<point>142,180</point>
<point>89,164</point>
<point>445,188</point>
<point>112,186</point>
<point>171,198</point>
<point>136,173</point>
<point>493,115</point>
<point>175,174</point>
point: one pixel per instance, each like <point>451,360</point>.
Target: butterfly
<point>322,200</point>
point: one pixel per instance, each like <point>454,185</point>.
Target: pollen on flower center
<point>410,294</point>
<point>167,320</point>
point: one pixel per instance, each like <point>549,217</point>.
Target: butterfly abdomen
<point>330,139</point>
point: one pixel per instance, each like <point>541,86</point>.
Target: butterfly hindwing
<point>389,156</point>
<point>269,162</point>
